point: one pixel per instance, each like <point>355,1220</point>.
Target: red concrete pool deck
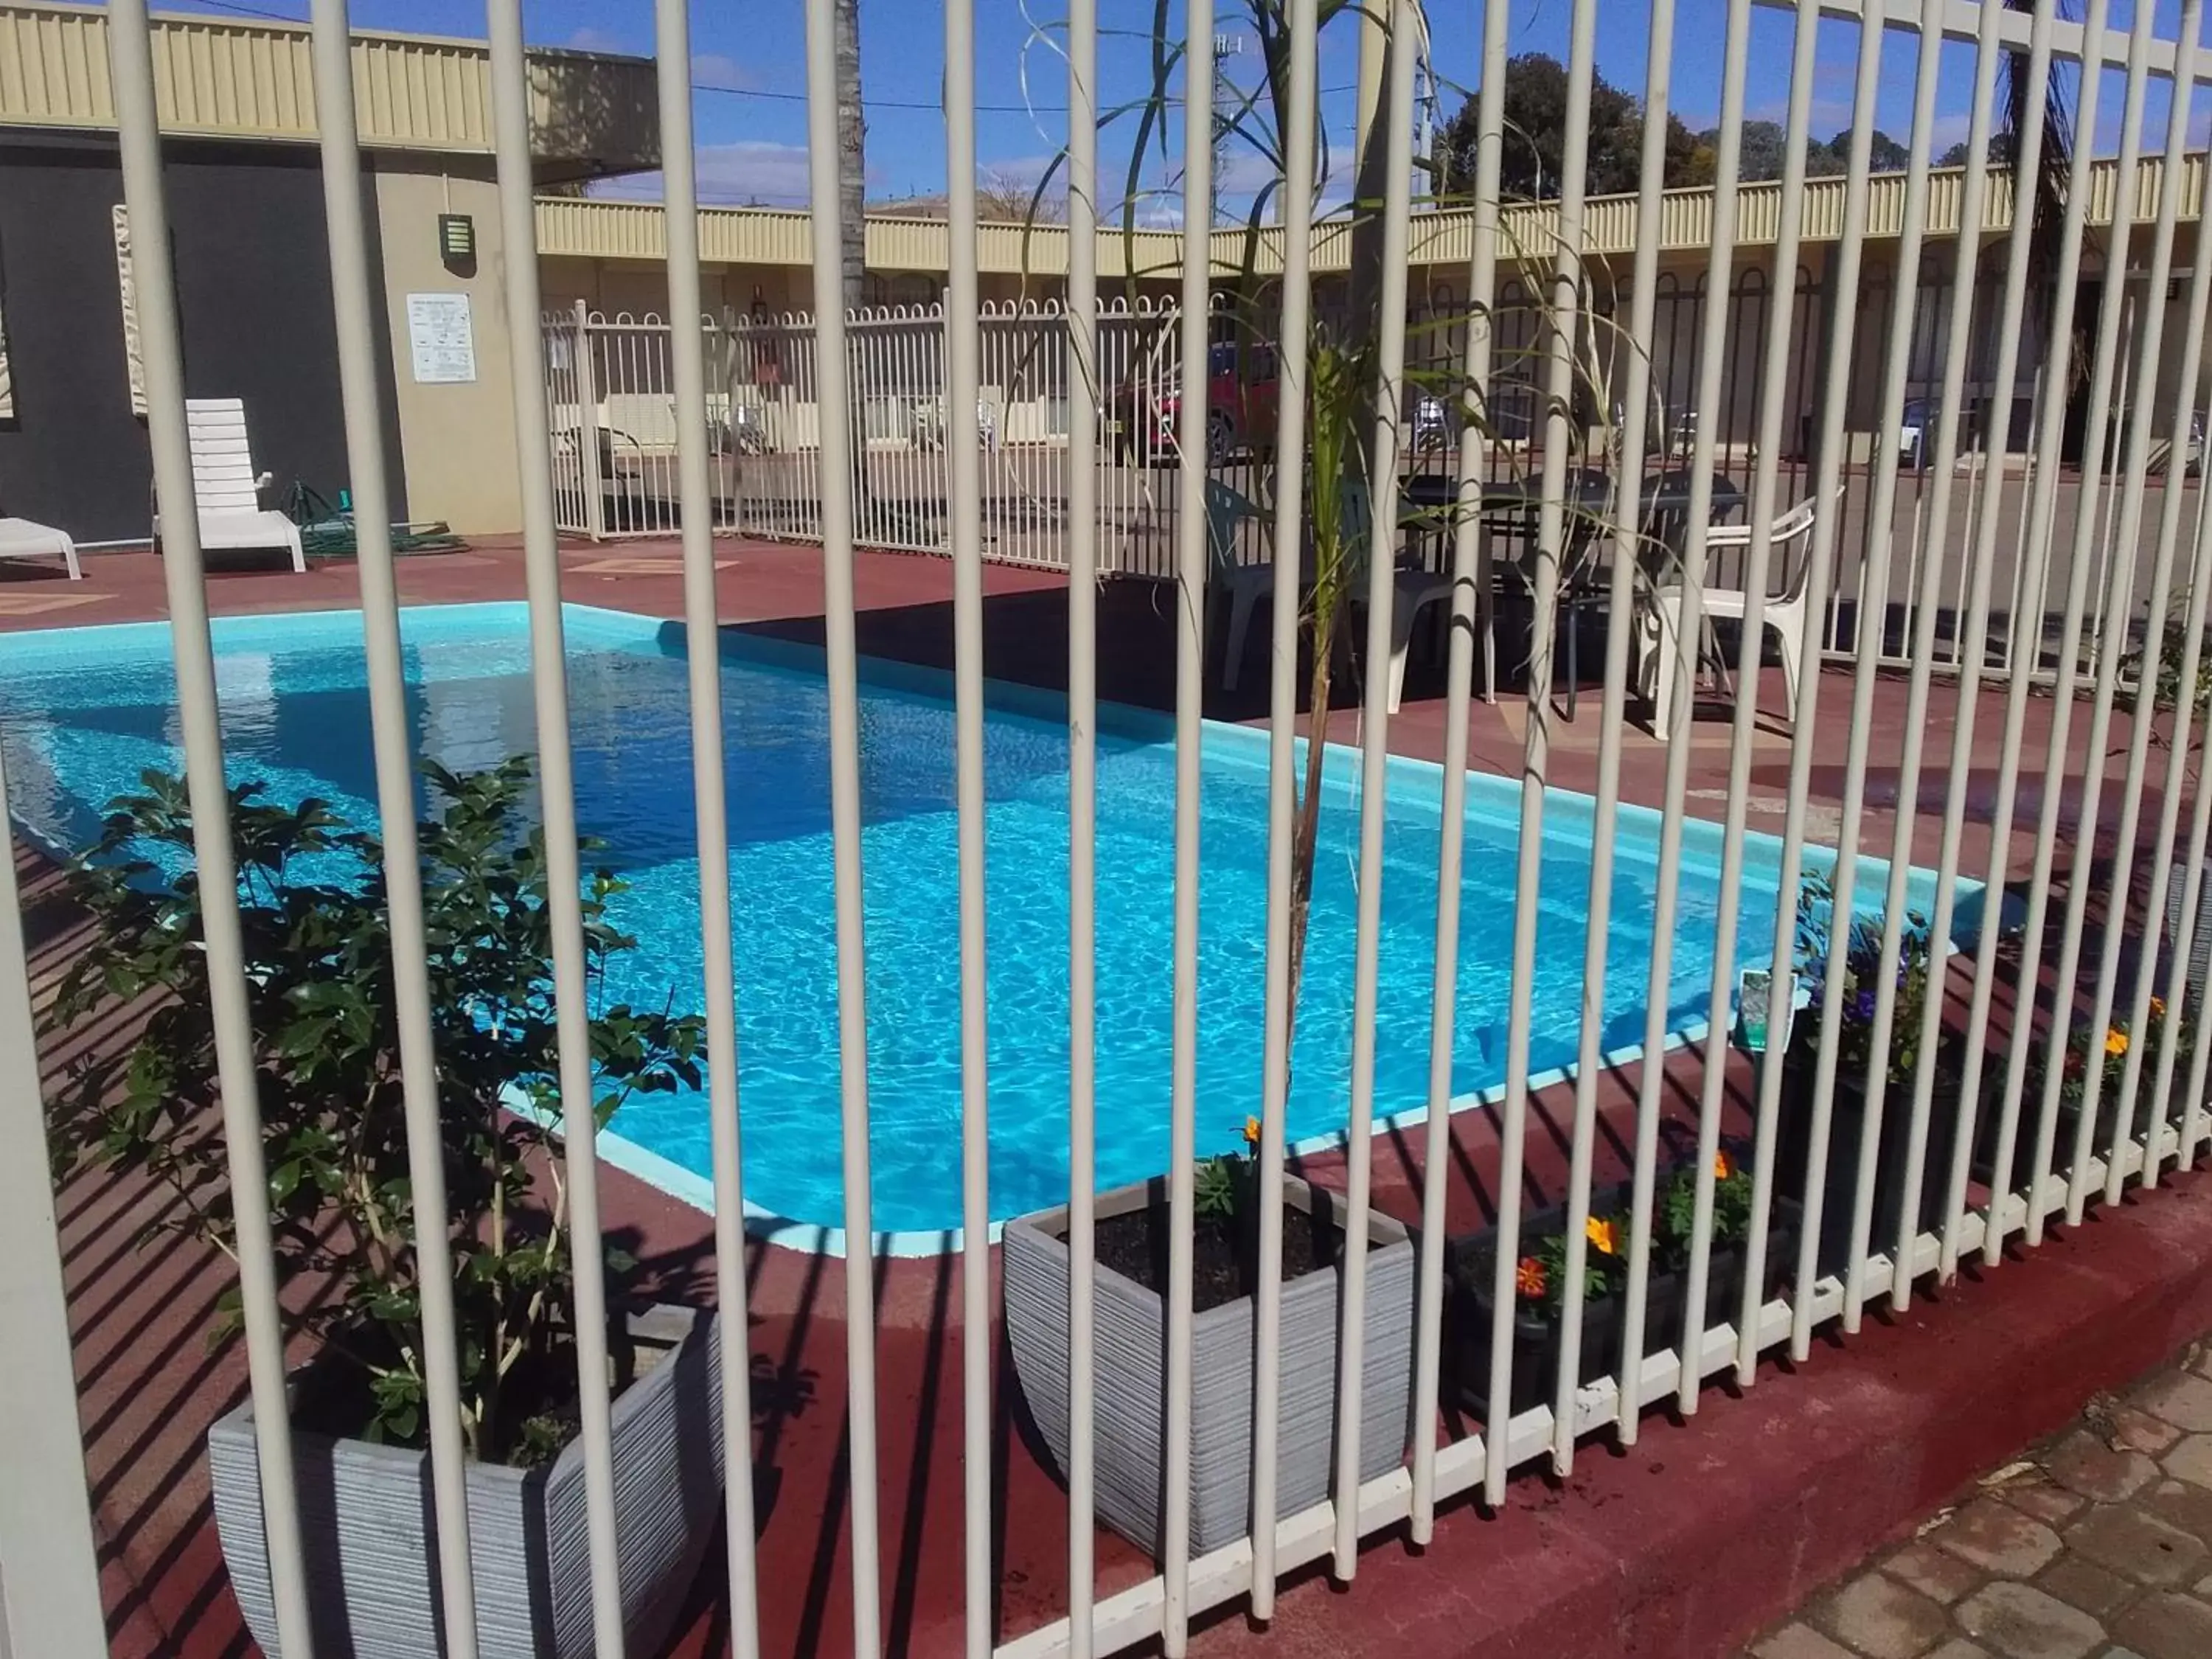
<point>1705,1532</point>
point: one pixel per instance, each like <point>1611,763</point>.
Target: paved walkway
<point>2097,1546</point>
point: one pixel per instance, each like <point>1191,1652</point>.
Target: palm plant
<point>1342,378</point>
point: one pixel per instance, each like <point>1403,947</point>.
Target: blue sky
<point>749,64</point>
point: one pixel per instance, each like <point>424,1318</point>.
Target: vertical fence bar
<point>836,439</point>
<point>1751,654</point>
<point>1674,710</point>
<point>2178,989</point>
<point>2037,548</point>
<point>2176,1009</point>
<point>1555,526</point>
<point>587,428</point>
<point>1190,671</point>
<point>1872,642</point>
<point>1474,467</point>
<point>357,331</point>
<point>709,802</point>
<point>963,506</point>
<point>2120,615</point>
<point>1562,326</point>
<point>1282,735</point>
<point>2027,160</point>
<point>1397,113</point>
<point>1628,547</point>
<point>1958,339</point>
<point>153,281</point>
<point>557,803</point>
<point>1084,406</point>
<point>49,1602</point>
<point>2114,611</point>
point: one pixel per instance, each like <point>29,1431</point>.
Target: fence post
<point>587,430</point>
<point>52,1600</point>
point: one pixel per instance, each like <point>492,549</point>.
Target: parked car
<point>1240,411</point>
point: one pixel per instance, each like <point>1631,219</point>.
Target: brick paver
<point>2098,1546</point>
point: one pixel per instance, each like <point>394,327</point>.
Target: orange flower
<point>2158,1007</point>
<point>1722,1168</point>
<point>1529,1278</point>
<point>2115,1041</point>
<point>1604,1236</point>
<point>1251,1132</point>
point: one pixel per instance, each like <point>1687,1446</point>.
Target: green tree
<point>1535,122</point>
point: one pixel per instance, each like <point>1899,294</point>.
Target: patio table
<point>1666,501</point>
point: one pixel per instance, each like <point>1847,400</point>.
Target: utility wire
<point>727,91</point>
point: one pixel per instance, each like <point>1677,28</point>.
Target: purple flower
<point>1862,1007</point>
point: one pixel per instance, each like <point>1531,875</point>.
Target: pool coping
<point>1248,744</point>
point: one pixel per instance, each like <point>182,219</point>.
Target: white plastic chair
<point>1660,628</point>
<point>226,486</point>
<point>21,538</point>
<point>1243,585</point>
<point>1413,588</point>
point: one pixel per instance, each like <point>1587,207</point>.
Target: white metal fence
<point>763,430</point>
<point>764,420</point>
<point>631,412</point>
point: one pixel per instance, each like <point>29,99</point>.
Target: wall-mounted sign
<point>439,339</point>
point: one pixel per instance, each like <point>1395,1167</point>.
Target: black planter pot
<point>1537,1336</point>
<point>2063,1137</point>
<point>1846,1136</point>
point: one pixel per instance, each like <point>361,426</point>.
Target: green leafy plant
<point>1220,1183</point>
<point>319,980</point>
<point>1540,1278</point>
<point>2111,1049</point>
<point>1678,1207</point>
<point>1859,964</point>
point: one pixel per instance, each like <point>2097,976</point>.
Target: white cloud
<point>719,70</point>
<point>591,39</point>
<point>1945,131</point>
<point>772,175</point>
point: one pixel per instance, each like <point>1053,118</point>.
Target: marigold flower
<point>2115,1041</point>
<point>2158,1007</point>
<point>1722,1169</point>
<point>1604,1236</point>
<point>1529,1278</point>
<point>1251,1132</point>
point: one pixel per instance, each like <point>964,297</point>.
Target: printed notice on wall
<point>444,349</point>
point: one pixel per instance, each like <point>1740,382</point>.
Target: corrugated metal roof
<point>603,229</point>
<point>226,77</point>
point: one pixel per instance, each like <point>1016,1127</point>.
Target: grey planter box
<point>371,1538</point>
<point>1131,1330</point>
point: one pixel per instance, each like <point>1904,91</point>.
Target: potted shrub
<point>318,971</point>
<point>1860,964</point>
<point>1131,1336</point>
<point>1541,1280</point>
<point>2083,1050</point>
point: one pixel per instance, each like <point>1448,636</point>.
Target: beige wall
<point>457,441</point>
<point>612,286</point>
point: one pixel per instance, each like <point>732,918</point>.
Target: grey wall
<point>246,227</point>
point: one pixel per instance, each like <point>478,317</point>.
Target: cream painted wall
<point>457,441</point>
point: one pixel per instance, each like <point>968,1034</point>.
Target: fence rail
<point>1886,1135</point>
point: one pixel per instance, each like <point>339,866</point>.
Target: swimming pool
<point>83,710</point>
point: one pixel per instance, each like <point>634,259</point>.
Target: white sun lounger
<point>227,487</point>
<point>19,538</point>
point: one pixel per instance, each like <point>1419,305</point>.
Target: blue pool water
<point>82,711</point>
